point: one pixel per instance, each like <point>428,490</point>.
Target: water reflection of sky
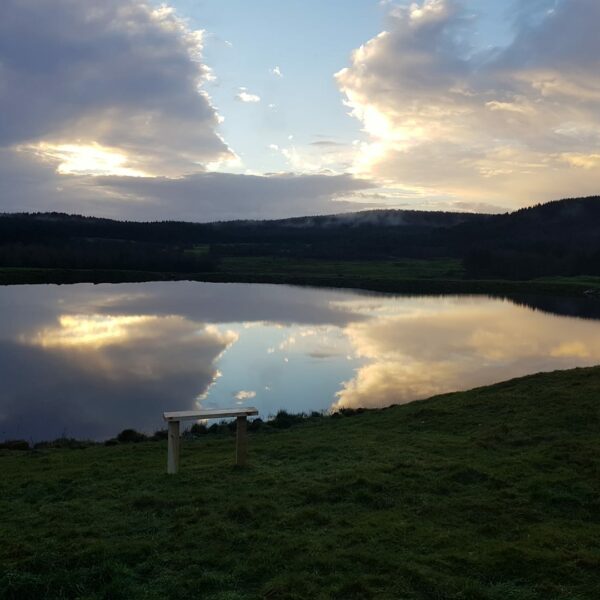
<point>88,361</point>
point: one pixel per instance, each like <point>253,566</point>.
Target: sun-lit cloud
<point>511,125</point>
<point>317,157</point>
<point>244,395</point>
<point>244,95</point>
<point>276,71</point>
<point>85,159</point>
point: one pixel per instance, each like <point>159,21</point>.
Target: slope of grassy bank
<point>408,276</point>
<point>487,494</point>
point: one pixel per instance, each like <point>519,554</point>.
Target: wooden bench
<point>174,418</point>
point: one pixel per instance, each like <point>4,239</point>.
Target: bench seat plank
<point>184,415</point>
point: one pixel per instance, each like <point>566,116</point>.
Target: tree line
<point>556,238</point>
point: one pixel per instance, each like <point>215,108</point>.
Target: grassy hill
<point>488,494</point>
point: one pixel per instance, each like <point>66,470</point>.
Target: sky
<point>219,109</point>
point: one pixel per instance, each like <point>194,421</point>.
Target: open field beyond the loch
<point>409,276</point>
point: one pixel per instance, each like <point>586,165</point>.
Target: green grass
<point>199,249</point>
<point>488,494</point>
<point>403,276</point>
<point>588,281</point>
<point>437,268</point>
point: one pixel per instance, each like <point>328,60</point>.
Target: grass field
<point>402,276</point>
<point>436,268</point>
<point>411,276</point>
<point>488,494</point>
<point>590,282</point>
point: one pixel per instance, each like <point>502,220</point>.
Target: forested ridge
<point>556,238</point>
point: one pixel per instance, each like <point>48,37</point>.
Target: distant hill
<point>557,238</point>
<point>23,225</point>
<point>560,237</point>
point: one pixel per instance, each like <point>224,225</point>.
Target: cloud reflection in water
<point>88,361</point>
<point>91,375</point>
<point>438,345</point>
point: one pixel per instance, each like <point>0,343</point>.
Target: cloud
<point>29,183</point>
<point>244,395</point>
<point>96,95</point>
<point>276,71</point>
<point>328,144</point>
<point>318,157</point>
<point>222,196</point>
<point>120,74</point>
<point>519,123</point>
<point>244,95</point>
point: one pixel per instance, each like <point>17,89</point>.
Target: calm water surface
<point>88,361</point>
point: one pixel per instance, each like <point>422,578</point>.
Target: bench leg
<point>240,446</point>
<point>173,450</point>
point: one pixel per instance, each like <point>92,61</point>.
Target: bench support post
<point>174,419</point>
<point>240,445</point>
<point>173,451</point>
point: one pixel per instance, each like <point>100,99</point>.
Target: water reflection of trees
<point>581,307</point>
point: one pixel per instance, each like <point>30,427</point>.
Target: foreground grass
<point>488,494</point>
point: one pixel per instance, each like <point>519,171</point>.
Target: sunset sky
<point>218,109</point>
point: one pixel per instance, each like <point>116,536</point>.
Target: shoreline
<point>567,287</point>
<point>281,421</point>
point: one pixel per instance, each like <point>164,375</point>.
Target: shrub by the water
<point>64,442</point>
<point>129,436</point>
<point>255,424</point>
<point>285,420</point>
<point>198,429</point>
<point>14,445</point>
